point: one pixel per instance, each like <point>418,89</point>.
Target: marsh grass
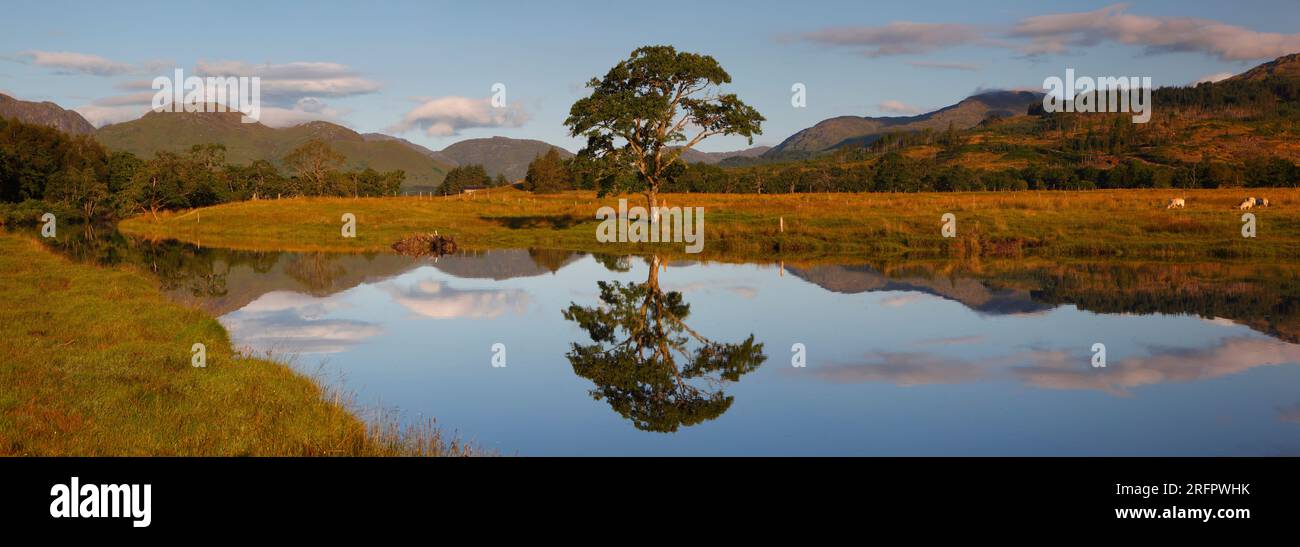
<point>1105,223</point>
<point>96,361</point>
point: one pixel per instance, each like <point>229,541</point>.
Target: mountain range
<point>45,113</point>
<point>855,131</point>
<point>246,142</point>
<point>425,168</point>
<point>711,158</point>
<point>1286,67</point>
<point>501,155</point>
<point>982,113</point>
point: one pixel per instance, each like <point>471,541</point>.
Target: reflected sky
<point>902,359</point>
<point>896,365</point>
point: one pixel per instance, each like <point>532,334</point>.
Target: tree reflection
<point>648,364</point>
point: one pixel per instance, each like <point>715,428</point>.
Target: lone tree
<point>648,364</point>
<point>638,116</point>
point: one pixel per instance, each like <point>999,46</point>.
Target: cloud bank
<point>447,116</point>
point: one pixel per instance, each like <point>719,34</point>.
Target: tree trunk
<point>651,196</point>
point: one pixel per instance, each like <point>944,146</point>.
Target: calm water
<point>632,355</point>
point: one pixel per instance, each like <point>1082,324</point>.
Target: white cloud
<point>286,92</point>
<point>897,38</point>
<point>1057,33</point>
<point>101,115</point>
<point>445,116</point>
<point>939,65</point>
<point>116,109</point>
<point>123,100</point>
<point>134,85</point>
<point>124,108</point>
<point>289,82</point>
<point>899,107</point>
<point>67,62</point>
<point>1216,77</point>
<point>306,109</point>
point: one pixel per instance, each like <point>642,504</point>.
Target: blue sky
<point>370,65</point>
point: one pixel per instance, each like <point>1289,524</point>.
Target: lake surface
<point>637,355</point>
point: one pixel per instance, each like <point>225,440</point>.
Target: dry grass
<point>1112,223</point>
<point>96,361</point>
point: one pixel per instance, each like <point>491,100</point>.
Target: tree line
<point>468,176</point>
<point>895,172</point>
<point>43,169</point>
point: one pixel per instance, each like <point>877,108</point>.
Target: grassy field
<point>1098,224</point>
<point>95,361</point>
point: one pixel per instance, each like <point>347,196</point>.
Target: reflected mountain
<point>220,281</point>
<point>648,364</point>
<point>972,293</point>
<point>1264,297</point>
<point>505,263</point>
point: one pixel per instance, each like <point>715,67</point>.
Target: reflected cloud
<point>743,291</point>
<point>952,341</point>
<point>306,306</point>
<point>903,300</point>
<point>434,299</point>
<point>1059,369</point>
<point>904,369</point>
<point>295,323</point>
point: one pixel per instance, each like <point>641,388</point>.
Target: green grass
<point>96,361</point>
<point>1097,224</point>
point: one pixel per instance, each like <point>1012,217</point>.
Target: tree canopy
<point>651,107</point>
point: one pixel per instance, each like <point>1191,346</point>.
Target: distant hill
<point>501,155</point>
<point>1283,68</point>
<point>246,142</point>
<point>45,113</point>
<point>437,156</point>
<point>696,156</point>
<point>1244,118</point>
<point>1240,131</point>
<point>859,131</point>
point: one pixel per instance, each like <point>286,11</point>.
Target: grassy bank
<point>95,361</point>
<point>1115,223</point>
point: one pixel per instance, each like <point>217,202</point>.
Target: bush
<point>29,212</point>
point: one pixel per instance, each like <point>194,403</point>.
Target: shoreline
<point>99,362</point>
